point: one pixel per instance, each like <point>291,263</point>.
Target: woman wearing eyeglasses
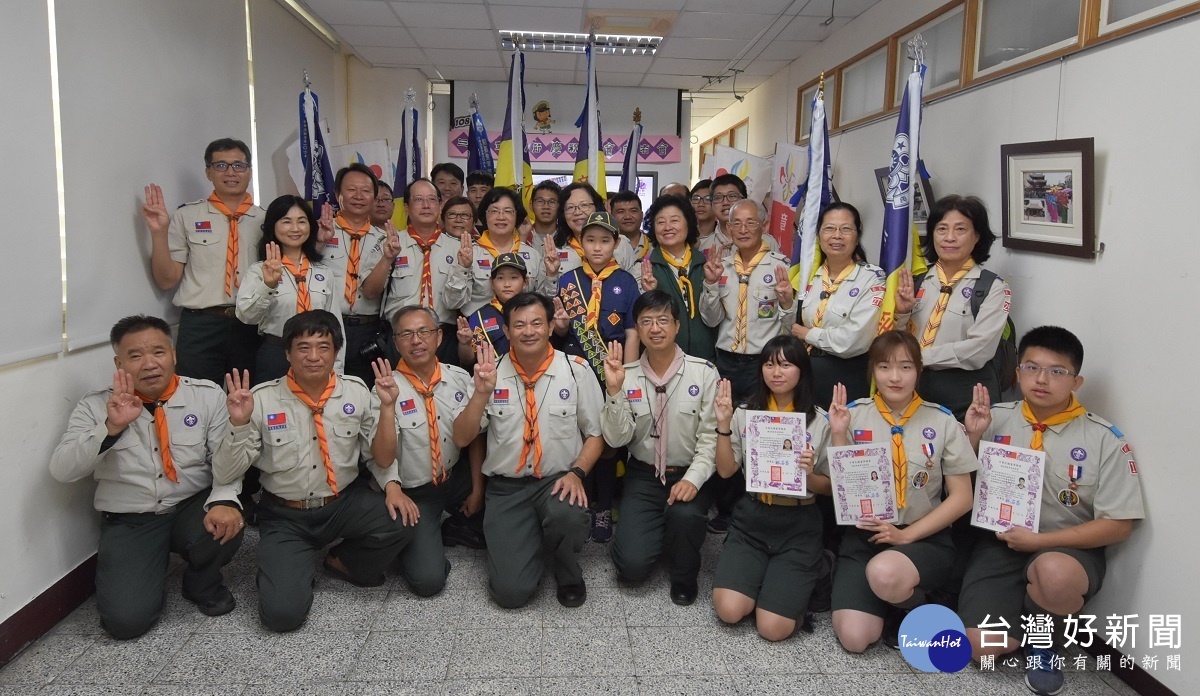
<point>458,217</point>
<point>503,212</point>
<point>576,204</point>
<point>959,310</point>
<point>676,266</point>
<point>840,314</point>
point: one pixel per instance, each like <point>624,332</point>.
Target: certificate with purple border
<point>1008,488</point>
<point>863,482</point>
<point>773,444</point>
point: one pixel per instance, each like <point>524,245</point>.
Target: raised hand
<point>325,224</point>
<point>723,404</point>
<point>465,335</point>
<point>240,401</point>
<point>272,268</point>
<point>649,282</point>
<point>712,268</point>
<point>123,406</point>
<point>466,254</point>
<point>485,368</point>
<point>906,297</point>
<point>979,415</point>
<point>385,382</point>
<point>550,254</point>
<point>391,245</point>
<point>562,320</point>
<point>839,415</point>
<point>154,210</point>
<point>783,286</point>
<point>614,368</point>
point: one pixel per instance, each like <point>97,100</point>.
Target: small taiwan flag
<point>490,323</point>
<point>633,394</point>
<point>408,407</point>
<point>276,421</point>
<point>333,241</point>
<point>484,263</point>
<point>723,281</point>
<point>204,226</point>
<point>861,436</point>
<point>500,396</point>
<point>1004,439</point>
<point>401,262</point>
<point>563,254</point>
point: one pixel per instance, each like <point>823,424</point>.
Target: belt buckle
<point>230,312</point>
<point>313,503</point>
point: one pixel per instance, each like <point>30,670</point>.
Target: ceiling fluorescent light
<point>566,42</point>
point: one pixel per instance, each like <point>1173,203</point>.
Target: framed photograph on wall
<point>1048,201</point>
<point>922,195</point>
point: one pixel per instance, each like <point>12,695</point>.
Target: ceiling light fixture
<point>567,42</point>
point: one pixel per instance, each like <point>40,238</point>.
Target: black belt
<point>226,311</point>
<point>359,319</point>
<point>738,357</point>
<point>272,340</point>
<point>638,464</point>
<point>306,504</point>
<point>780,500</point>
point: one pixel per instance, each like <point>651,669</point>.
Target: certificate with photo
<point>773,445</point>
<point>1008,488</point>
<point>864,484</point>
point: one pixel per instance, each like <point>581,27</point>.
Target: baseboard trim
<point>1137,678</point>
<point>33,620</point>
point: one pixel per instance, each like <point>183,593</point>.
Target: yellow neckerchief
<point>686,289</point>
<point>935,318</point>
<point>1073,411</point>
<point>828,288</point>
<point>744,272</point>
<point>485,243</point>
<point>593,304</point>
<point>899,458</point>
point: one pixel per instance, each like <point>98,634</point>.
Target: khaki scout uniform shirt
<point>451,282</point>
<point>281,440</point>
<point>199,238</point>
<point>691,421</point>
<point>851,318</point>
<point>130,474</point>
<point>817,438</point>
<point>765,318</point>
<point>1109,488</point>
<point>931,424</point>
<point>412,424</point>
<point>336,255</point>
<point>963,341</point>
<point>481,269</point>
<point>270,308</point>
<point>569,403</point>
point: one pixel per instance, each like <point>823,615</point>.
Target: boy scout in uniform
<point>418,404</point>
<point>1090,499</point>
<point>148,441</point>
<point>203,251</point>
<point>661,407</point>
<point>541,410</point>
<point>306,433</point>
<point>486,324</point>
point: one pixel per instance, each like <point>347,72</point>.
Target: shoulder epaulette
<point>860,402</point>
<point>1100,421</point>
<point>202,200</point>
<point>939,407</point>
<point>265,385</point>
<point>202,383</point>
<point>1007,405</point>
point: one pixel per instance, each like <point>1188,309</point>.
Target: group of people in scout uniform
<point>505,375</point>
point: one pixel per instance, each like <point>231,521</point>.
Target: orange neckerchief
<point>593,304</point>
<point>435,438</point>
<point>485,243</point>
<point>899,458</point>
<point>231,249</point>
<point>686,290</point>
<point>533,438</point>
<point>1073,411</point>
<point>160,426</point>
<point>828,287</point>
<point>300,275</point>
<point>935,319</point>
<point>743,273</point>
<point>318,409</point>
<point>426,298</point>
<point>353,256</point>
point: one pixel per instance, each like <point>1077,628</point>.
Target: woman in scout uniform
<point>486,324</point>
<point>290,278</point>
<point>458,218</point>
<point>575,204</point>
<point>503,212</point>
<point>957,344</point>
<point>676,266</point>
<point>597,299</point>
<point>885,565</point>
<point>772,557</point>
<point>840,314</point>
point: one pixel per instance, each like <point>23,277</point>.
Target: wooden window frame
<point>889,65</point>
<point>901,50</point>
<point>725,137</point>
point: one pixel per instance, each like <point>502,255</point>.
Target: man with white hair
<point>727,189</point>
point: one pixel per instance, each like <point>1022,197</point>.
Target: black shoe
<point>342,575</point>
<point>458,533</point>
<point>222,604</point>
<point>807,624</point>
<point>891,627</point>
<point>822,596</point>
<point>572,595</point>
<point>684,593</point>
<point>719,524</point>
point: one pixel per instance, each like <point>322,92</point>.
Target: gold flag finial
<point>637,115</point>
<point>821,86</point>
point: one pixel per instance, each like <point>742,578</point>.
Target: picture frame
<point>1048,197</point>
<point>922,195</point>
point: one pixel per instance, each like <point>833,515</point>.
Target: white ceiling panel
<point>537,18</point>
<point>719,25</point>
<point>435,14</point>
<point>364,12</point>
<point>724,49</point>
<point>764,67</point>
<point>455,72</point>
<point>812,28</point>
<point>620,79</point>
<point>360,36</point>
<point>678,66</point>
<point>785,49</point>
<point>772,7</point>
<point>560,3</point>
<point>673,81</point>
<point>379,55</point>
<point>463,57</point>
<point>558,77</point>
<point>842,8</point>
<point>611,64</point>
<point>457,38</point>
<point>650,5</point>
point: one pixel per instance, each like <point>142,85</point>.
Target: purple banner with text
<point>561,147</point>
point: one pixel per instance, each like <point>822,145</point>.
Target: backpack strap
<point>979,292</point>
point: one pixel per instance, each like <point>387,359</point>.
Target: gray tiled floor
<point>624,640</point>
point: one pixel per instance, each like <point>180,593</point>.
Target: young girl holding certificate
<point>772,556</point>
<point>886,568</point>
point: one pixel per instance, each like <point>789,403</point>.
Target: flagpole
<point>916,51</point>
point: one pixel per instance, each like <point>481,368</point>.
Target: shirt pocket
<point>1059,476</point>
<point>284,450</point>
<point>320,296</point>
<point>188,445</point>
<point>762,303</point>
<point>203,240</point>
<point>688,410</point>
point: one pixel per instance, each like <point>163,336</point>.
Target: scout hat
<point>600,219</point>
<point>510,260</point>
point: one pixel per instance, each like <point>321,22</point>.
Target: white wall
<point>375,102</point>
<point>1127,96</point>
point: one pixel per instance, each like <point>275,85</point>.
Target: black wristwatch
<point>578,472</point>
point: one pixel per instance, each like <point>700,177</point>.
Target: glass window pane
<point>741,137</point>
<point>943,54</point>
<point>1015,29</point>
<point>806,105</point>
<point>1124,9</point>
<point>862,87</point>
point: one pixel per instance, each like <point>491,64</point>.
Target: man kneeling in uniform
<point>306,432</point>
<point>148,441</point>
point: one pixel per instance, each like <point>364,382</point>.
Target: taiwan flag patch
<point>723,281</point>
<point>333,241</point>
<point>276,421</point>
<point>204,227</point>
<point>401,262</point>
<point>408,407</point>
<point>1004,439</point>
<point>490,324</point>
<point>484,263</point>
<point>563,254</point>
<point>633,394</point>
<point>500,396</point>
<point>861,436</point>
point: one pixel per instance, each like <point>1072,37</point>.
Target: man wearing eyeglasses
<point>203,251</point>
<point>661,406</point>
<point>384,206</point>
<point>545,212</point>
<point>418,404</point>
<point>727,189</point>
